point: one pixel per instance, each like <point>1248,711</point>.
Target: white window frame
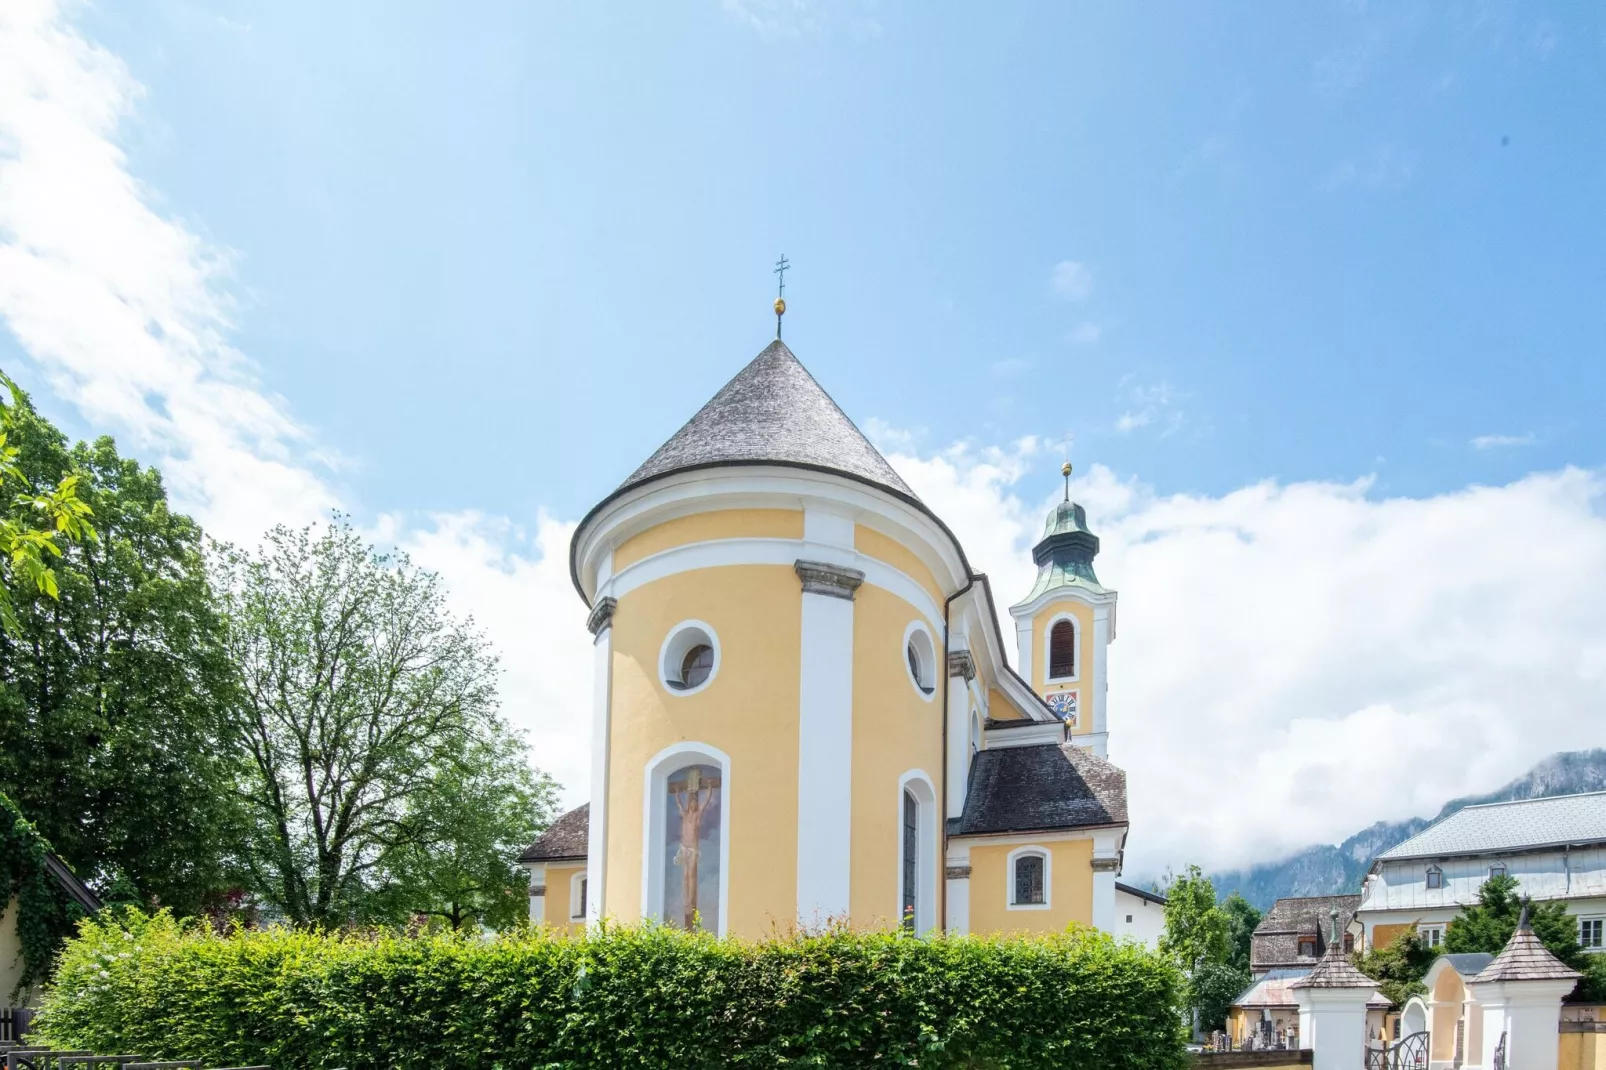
<point>1076,648</point>
<point>921,689</point>
<point>671,758</point>
<point>1037,850</point>
<point>1598,919</point>
<point>1436,939</point>
<point>577,896</point>
<point>919,784</point>
<point>1501,866</point>
<point>1427,878</point>
<point>677,644</point>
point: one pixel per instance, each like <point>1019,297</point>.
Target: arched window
<point>911,858</point>
<point>684,879</point>
<point>1028,879</point>
<point>1062,650</point>
<point>975,733</point>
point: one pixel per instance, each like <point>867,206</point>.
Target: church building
<point>805,708</point>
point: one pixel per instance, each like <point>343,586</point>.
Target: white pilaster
<point>961,671</point>
<point>1023,648</point>
<point>1101,679</point>
<point>601,625</point>
<point>537,893</point>
<point>1106,863</point>
<point>957,875</point>
<point>825,723</point>
<point>1526,1013</point>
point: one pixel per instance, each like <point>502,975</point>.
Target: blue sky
<point>1320,240</point>
<point>1308,274</point>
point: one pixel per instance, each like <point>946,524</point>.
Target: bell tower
<point>1065,624</point>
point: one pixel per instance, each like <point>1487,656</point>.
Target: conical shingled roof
<point>772,412</point>
<point>1524,958</point>
<point>1335,970</point>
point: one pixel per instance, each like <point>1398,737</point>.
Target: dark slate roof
<point>1524,958</point>
<point>1141,893</point>
<point>1040,788</point>
<point>1275,943</point>
<point>773,412</point>
<point>71,886</point>
<point>1468,963</point>
<point>564,840</point>
<point>1335,971</point>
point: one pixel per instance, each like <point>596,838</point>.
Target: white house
<point>1555,848</point>
<point>1139,914</point>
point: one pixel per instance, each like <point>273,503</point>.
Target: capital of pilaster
<point>822,577</point>
<point>601,615</point>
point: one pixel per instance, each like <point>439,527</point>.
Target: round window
<point>689,659</point>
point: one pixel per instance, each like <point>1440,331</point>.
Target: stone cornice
<point>601,616</point>
<point>537,891</point>
<point>957,873</point>
<point>1106,865</point>
<point>960,663</point>
<point>822,577</point>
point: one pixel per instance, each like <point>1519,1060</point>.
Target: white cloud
<point>1494,442</point>
<point>1297,661</point>
<point>127,315</point>
<point>1070,281</point>
<point>1085,333</point>
<point>125,312</point>
<point>812,18</point>
<point>1154,404</point>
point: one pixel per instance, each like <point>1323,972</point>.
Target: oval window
<point>696,666</point>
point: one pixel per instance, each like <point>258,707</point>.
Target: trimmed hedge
<point>627,997</point>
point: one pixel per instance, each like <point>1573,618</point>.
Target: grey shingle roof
<point>565,840</point>
<point>1041,788</point>
<point>1275,941</point>
<point>1510,826</point>
<point>1524,958</point>
<point>772,412</point>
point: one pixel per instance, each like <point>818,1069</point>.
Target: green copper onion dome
<point>1064,555</point>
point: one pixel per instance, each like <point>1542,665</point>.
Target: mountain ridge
<point>1334,869</point>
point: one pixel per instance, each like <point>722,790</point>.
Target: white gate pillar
<point>1520,995</point>
<point>1332,1002</point>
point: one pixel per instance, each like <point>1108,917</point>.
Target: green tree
<point>112,679</point>
<point>475,817</point>
<point>1198,935</point>
<point>1398,968</point>
<point>1242,917</point>
<point>359,698</point>
<point>34,522</point>
<point>1488,925</point>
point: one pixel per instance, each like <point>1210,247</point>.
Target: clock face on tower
<point>1063,703</point>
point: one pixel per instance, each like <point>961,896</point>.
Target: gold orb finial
<point>1065,469</point>
<point>780,306</point>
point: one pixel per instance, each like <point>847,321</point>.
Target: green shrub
<point>626,997</point>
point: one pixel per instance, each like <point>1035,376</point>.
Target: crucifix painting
<point>691,848</point>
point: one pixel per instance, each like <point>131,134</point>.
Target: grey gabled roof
<point>772,412</point>
<point>1523,824</point>
<point>566,839</point>
<point>1468,963</point>
<point>1040,788</point>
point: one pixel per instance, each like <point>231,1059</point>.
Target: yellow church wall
<point>894,730</point>
<point>749,710</point>
<point>560,908</point>
<point>1000,708</point>
<point>704,527</point>
<point>1070,888</point>
<point>1084,658</point>
<point>885,548</point>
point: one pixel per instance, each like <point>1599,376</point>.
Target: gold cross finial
<point>780,294</point>
<point>1065,469</point>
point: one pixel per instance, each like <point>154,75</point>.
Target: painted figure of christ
<point>695,792</point>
